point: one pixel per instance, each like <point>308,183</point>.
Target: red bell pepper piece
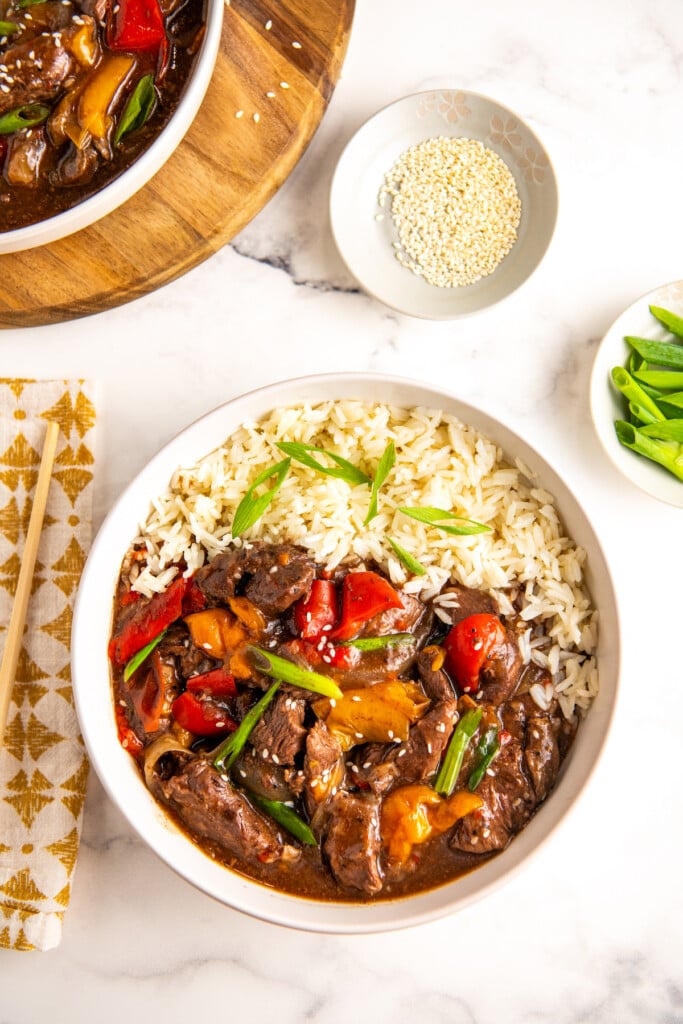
<point>202,717</point>
<point>147,621</point>
<point>194,599</point>
<point>469,644</point>
<point>364,595</point>
<point>136,25</point>
<point>325,653</point>
<point>316,611</point>
<point>147,690</point>
<point>217,683</point>
<point>127,738</point>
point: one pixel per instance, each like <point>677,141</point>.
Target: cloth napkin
<point>43,764</point>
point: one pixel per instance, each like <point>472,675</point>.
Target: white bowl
<point>118,772</point>
<point>607,404</point>
<point>144,167</point>
<point>366,244</point>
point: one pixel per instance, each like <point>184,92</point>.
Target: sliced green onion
<point>8,28</point>
<point>142,655</point>
<point>661,353</point>
<point>138,109</point>
<point>377,643</point>
<point>667,453</point>
<point>632,390</point>
<point>342,470</point>
<point>660,378</point>
<point>411,564</point>
<point>450,768</point>
<point>433,516</point>
<point>384,467</point>
<point>228,752</point>
<point>669,319</point>
<point>286,817</point>
<point>487,750</point>
<point>669,430</point>
<point>28,116</point>
<point>23,4</point>
<point>250,509</point>
<point>641,415</point>
<point>288,672</point>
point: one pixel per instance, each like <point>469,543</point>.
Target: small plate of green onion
<point>637,393</point>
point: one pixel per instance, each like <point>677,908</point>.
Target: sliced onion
<point>163,745</point>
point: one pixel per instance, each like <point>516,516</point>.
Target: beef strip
<point>262,777</point>
<point>177,646</point>
<point>213,809</point>
<point>324,767</point>
<point>435,682</point>
<point>352,843</point>
<point>469,602</point>
<point>35,79</point>
<point>501,671</point>
<point>521,777</point>
<point>26,153</point>
<point>279,735</point>
<point>273,576</point>
<point>76,167</point>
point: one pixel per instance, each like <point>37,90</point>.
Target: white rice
<point>526,558</point>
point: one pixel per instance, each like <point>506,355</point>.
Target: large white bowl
<point>119,774</point>
<point>144,167</point>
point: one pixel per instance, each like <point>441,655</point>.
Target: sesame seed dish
<point>351,650</point>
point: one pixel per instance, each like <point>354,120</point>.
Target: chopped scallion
<point>342,470</point>
<point>250,508</point>
<point>228,752</point>
<point>411,564</point>
<point>286,817</point>
<point>286,671</point>
<point>450,768</point>
<point>377,643</point>
<point>384,467</point>
<point>136,661</point>
<point>434,516</point>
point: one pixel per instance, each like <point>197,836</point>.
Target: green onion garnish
<point>141,656</point>
<point>411,564</point>
<point>669,430</point>
<point>342,470</point>
<point>288,672</point>
<point>23,4</point>
<point>28,116</point>
<point>138,109</point>
<point>660,378</point>
<point>669,319</point>
<point>377,643</point>
<point>433,516</point>
<point>661,353</point>
<point>250,509</point>
<point>286,817</point>
<point>667,453</point>
<point>7,28</point>
<point>228,752</point>
<point>452,762</point>
<point>487,750</point>
<point>384,467</point>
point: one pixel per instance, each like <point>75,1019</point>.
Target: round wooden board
<point>221,175</point>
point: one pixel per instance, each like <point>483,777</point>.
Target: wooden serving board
<point>221,175</point>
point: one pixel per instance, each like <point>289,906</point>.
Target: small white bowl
<point>366,244</point>
<point>147,164</point>
<point>608,405</point>
<point>119,774</point>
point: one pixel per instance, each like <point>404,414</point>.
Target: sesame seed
<point>327,628</point>
<point>257,117</point>
<point>122,703</point>
<point>402,752</point>
<point>429,748</point>
<point>243,773</point>
<point>270,95</point>
<point>284,85</point>
<point>367,765</point>
<point>239,113</point>
<point>359,735</point>
<point>390,734</point>
<point>275,759</point>
<point>220,725</point>
<point>264,753</point>
<point>224,777</point>
<point>356,699</point>
<point>486,832</point>
<point>308,616</point>
<point>268,25</point>
<point>296,45</point>
<point>124,743</point>
<point>333,702</point>
<point>490,771</point>
<point>5,88</point>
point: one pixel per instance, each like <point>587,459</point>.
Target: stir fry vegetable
<point>251,508</point>
<point>469,644</point>
<point>450,768</point>
<point>384,467</point>
<point>286,817</point>
<point>29,116</point>
<point>486,752</point>
<point>147,621</point>
<point>228,752</point>
<point>342,469</point>
<point>364,595</point>
<point>654,428</point>
<point>286,671</point>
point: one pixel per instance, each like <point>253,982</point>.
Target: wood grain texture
<point>221,175</point>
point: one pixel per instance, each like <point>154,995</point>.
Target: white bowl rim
<point>253,898</point>
<point>339,170</point>
<point>116,192</point>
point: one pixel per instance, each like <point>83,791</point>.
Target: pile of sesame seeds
<point>455,206</point>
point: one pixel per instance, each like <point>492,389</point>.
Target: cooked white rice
<point>439,462</point>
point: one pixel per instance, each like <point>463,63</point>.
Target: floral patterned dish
<point>366,234</point>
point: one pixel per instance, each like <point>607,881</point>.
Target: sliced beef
<point>352,843</point>
<point>279,735</point>
<point>435,682</point>
<point>262,777</point>
<point>36,78</point>
<point>77,167</point>
<point>177,646</point>
<point>26,153</point>
<point>521,777</point>
<point>272,576</point>
<point>324,767</point>
<point>467,602</point>
<point>501,671</point>
<point>213,809</point>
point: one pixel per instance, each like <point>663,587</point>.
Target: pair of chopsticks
<point>15,631</point>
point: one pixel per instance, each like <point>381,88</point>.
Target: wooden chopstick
<point>15,631</point>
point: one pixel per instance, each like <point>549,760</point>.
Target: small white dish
<point>607,405</point>
<point>366,243</point>
<point>147,164</point>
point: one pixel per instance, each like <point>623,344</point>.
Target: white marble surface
<point>593,932</point>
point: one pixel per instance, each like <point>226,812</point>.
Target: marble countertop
<point>593,931</point>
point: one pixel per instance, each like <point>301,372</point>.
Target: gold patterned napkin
<point>43,765</point>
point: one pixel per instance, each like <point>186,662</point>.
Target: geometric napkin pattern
<point>43,764</point>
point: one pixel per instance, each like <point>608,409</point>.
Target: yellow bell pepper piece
<point>100,93</point>
<point>216,631</point>
<point>413,814</point>
<point>379,713</point>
